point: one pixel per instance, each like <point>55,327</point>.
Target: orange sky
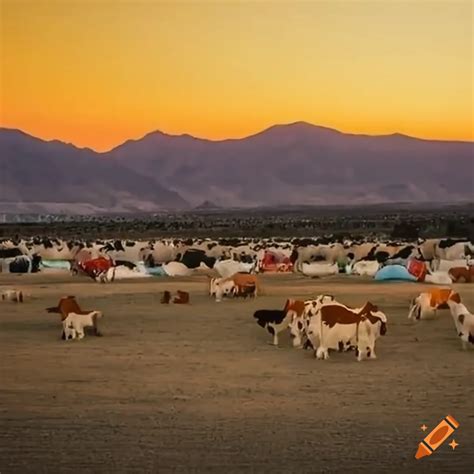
<point>97,72</point>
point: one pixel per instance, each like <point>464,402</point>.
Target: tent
<point>275,262</point>
<point>56,264</point>
<point>394,272</point>
<point>417,268</point>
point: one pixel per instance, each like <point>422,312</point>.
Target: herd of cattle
<point>321,323</point>
<point>103,260</point>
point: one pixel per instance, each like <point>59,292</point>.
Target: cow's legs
<point>322,353</point>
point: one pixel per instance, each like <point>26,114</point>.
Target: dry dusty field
<point>198,389</point>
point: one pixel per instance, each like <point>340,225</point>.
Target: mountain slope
<point>304,164</point>
<point>35,174</point>
<point>286,164</point>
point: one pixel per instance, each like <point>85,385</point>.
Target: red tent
<point>275,262</point>
<point>417,268</point>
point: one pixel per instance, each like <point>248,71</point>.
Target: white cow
<point>365,268</point>
<point>464,322</point>
<point>319,269</point>
<point>74,324</point>
<point>227,268</point>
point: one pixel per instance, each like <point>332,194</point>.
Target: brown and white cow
<point>336,327</point>
<point>427,304</point>
<point>68,305</point>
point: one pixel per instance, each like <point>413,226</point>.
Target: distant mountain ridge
<point>290,164</point>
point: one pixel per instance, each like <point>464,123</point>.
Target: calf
<point>15,296</point>
<point>74,324</point>
<point>67,305</point>
<point>182,297</point>
<point>464,322</point>
<point>427,304</point>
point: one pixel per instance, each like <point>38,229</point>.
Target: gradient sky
<point>97,72</point>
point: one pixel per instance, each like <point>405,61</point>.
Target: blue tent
<point>394,272</point>
<point>58,264</point>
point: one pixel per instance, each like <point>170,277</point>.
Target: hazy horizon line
<point>244,137</point>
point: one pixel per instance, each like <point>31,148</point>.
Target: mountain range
<point>293,164</point>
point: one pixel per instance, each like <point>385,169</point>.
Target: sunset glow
<point>97,72</point>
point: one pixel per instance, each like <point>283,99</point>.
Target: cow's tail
<point>20,297</point>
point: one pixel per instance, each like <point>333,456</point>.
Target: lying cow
<point>336,326</point>
<point>427,304</point>
<point>74,324</point>
<point>15,296</point>
<point>182,297</point>
<point>464,322</point>
<point>462,273</point>
<point>67,305</point>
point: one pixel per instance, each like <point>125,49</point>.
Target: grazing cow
<point>245,291</point>
<point>273,320</point>
<point>427,304</point>
<point>464,322</point>
<point>222,287</point>
<point>336,326</point>
<point>67,305</point>
<point>462,273</point>
<point>15,296</point>
<point>182,297</point>
<point>74,324</point>
<point>166,298</point>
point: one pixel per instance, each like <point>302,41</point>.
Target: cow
<point>364,268</point>
<point>427,304</point>
<point>182,297</point>
<point>462,273</point>
<point>245,291</point>
<point>166,298</point>
<point>74,324</point>
<point>300,320</point>
<point>194,258</point>
<point>464,322</point>
<point>336,326</point>
<point>273,320</point>
<point>67,305</point>
<point>15,296</point>
<point>222,287</point>
<point>22,264</point>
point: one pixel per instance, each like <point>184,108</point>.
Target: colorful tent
<point>275,262</point>
<point>394,272</point>
<point>417,268</point>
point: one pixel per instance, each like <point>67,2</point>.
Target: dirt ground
<point>198,389</point>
